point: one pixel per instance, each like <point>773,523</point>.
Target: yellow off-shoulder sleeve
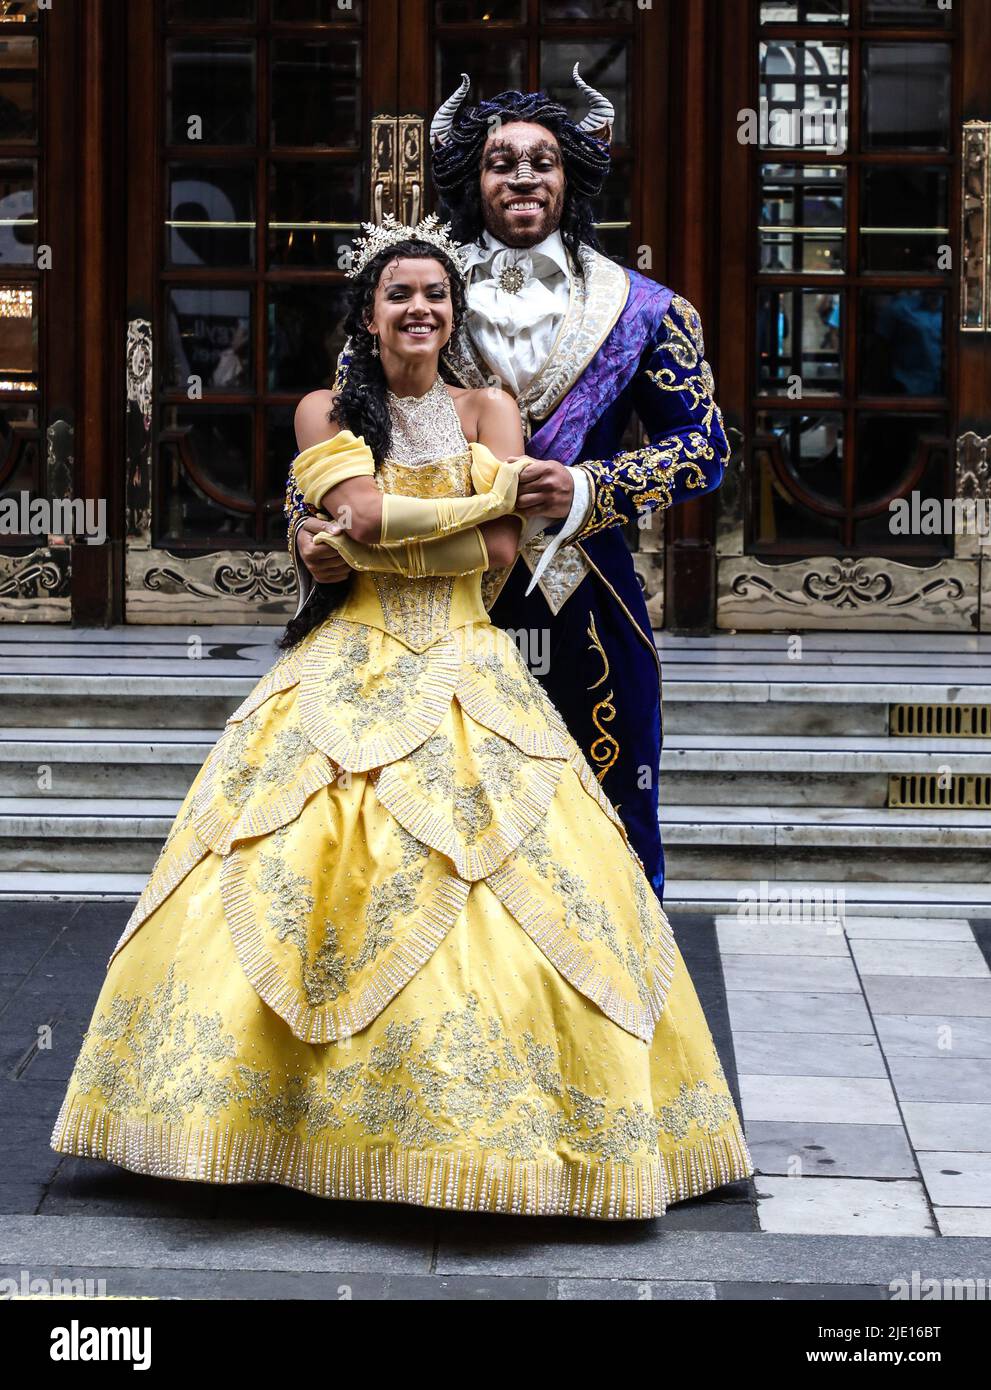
<point>484,467</point>
<point>330,462</point>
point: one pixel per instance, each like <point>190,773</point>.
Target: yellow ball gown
<point>398,948</point>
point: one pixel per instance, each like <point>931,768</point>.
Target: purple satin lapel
<point>562,435</point>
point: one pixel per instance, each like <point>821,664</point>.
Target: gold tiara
<point>390,233</point>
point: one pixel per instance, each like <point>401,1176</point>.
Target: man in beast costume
<point>582,344</point>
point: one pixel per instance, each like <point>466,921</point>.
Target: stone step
<point>701,842</point>
<point>696,700</point>
<point>853,898</point>
<point>696,769</point>
<point>742,770</point>
<point>839,709</point>
<point>856,903</point>
<point>88,763</point>
<point>834,844</point>
<point>47,886</point>
<point>82,835</point>
<point>117,702</point>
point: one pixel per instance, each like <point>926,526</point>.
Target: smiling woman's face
<point>413,314</point>
<point>522,184</point>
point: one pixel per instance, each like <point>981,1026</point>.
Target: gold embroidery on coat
<point>605,750</point>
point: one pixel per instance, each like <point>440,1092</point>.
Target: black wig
<point>457,165</point>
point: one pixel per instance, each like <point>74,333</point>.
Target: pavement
<point>858,1053</point>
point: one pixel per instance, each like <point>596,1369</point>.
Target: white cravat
<point>517,300</point>
<point>515,329</point>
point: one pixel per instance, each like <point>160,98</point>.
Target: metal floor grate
<point>939,721</point>
<point>909,791</point>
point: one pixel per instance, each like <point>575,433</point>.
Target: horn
<point>440,126</point>
<point>601,114</point>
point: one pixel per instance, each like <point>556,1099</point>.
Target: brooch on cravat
<point>511,269</point>
<point>512,279</point>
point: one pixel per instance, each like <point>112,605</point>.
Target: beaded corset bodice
<point>429,458</point>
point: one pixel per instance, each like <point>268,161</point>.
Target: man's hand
<point>546,488</point>
<point>326,564</point>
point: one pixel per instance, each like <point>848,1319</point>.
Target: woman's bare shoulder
<point>483,407</point>
<point>313,423</point>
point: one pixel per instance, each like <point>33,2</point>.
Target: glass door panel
<point>853,360</point>
<point>262,132</point>
<point>875,203</point>
<point>34,557</point>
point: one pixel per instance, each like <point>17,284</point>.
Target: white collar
<point>552,248</point>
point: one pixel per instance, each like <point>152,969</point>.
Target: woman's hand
<point>502,538</point>
<point>327,565</point>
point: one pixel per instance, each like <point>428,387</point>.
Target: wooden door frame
<point>98,215</point>
<point>160,586</point>
<point>699,110</point>
<point>944,595</point>
<point>40,583</point>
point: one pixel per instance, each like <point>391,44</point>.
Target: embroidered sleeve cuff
<point>649,479</point>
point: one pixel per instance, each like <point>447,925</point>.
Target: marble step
<point>711,842</point>
<point>79,835</point>
<point>117,702</point>
<point>698,698</point>
<point>734,770</point>
<point>831,843</point>
<point>863,906</point>
<point>696,769</point>
<point>861,902</point>
<point>50,886</point>
<point>799,710</point>
<point>88,763</point>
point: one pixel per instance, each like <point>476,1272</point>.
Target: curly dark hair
<point>457,166</point>
<point>361,405</point>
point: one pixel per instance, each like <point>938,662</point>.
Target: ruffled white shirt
<point>514,331</point>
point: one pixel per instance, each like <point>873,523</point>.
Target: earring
<point>375,345</point>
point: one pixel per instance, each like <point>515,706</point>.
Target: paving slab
<point>844,1206</point>
<point>846,1099</point>
<point>957,1179</point>
<point>969,1222</point>
<point>942,959</point>
<point>803,1293</point>
<point>809,1054</point>
<point>939,1079</point>
<point>907,929</point>
<point>737,939</point>
<point>634,1291</point>
<point>791,974</point>
<point>933,1035</point>
<point>966,1128</point>
<point>890,994</point>
<point>798,1011</point>
<point>831,1150</point>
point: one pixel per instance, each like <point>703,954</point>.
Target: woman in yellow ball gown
<point>397,946</point>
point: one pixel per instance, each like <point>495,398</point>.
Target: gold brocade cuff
<point>330,462</point>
